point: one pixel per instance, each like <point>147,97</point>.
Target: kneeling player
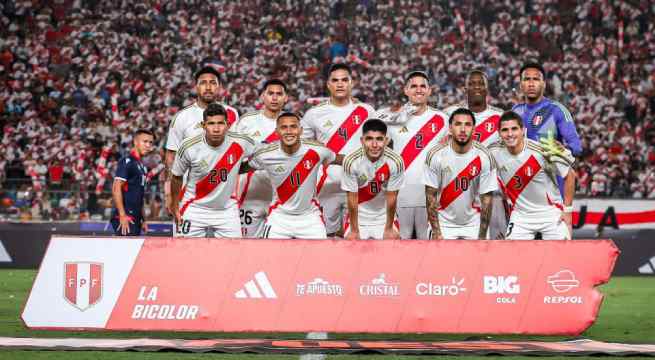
<point>528,175</point>
<point>456,173</point>
<point>209,206</point>
<point>292,166</point>
<point>372,176</point>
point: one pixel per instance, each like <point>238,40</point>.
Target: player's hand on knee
<point>353,235</point>
<point>391,233</point>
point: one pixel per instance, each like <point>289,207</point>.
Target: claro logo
<point>502,285</point>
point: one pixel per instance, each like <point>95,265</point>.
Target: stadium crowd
<point>79,76</point>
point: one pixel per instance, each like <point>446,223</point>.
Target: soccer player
<point>527,177</point>
<point>372,176</point>
<point>456,174</point>
<point>337,124</point>
<point>486,116</point>
<point>486,133</point>
<point>129,187</point>
<point>292,166</point>
<point>254,187</point>
<point>424,128</point>
<point>187,122</point>
<point>212,159</point>
<point>541,116</point>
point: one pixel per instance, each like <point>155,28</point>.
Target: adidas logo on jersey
<point>328,124</point>
<point>279,169</point>
<point>256,134</point>
<point>258,288</point>
<point>403,129</point>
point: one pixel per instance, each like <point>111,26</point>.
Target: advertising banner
<point>504,287</point>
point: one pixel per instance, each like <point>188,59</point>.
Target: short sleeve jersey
<point>412,141</point>
<point>529,180</point>
<point>293,176</point>
<point>460,179</point>
<point>370,180</point>
<point>212,171</point>
<point>134,174</point>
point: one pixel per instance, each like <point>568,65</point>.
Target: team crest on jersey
<point>403,129</point>
<point>307,164</point>
<point>474,170</point>
<point>433,127</point>
<point>490,127</point>
<point>528,171</point>
<point>279,169</point>
<point>537,120</point>
<point>328,124</point>
<point>230,159</point>
<point>357,119</point>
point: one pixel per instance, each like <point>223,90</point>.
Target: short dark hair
<point>461,111</point>
<point>208,69</point>
<point>509,116</point>
<point>340,66</point>
<point>477,72</point>
<point>214,109</point>
<point>287,114</point>
<point>374,124</point>
<point>273,82</point>
<point>415,73</point>
<point>533,65</point>
<point>145,132</point>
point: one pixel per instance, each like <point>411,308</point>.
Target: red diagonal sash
<point>486,128</point>
<point>422,138</point>
<point>271,138</point>
<point>231,117</point>
<point>521,179</point>
<point>366,193</point>
<point>211,181</point>
<point>453,190</point>
<point>297,176</point>
<point>347,129</point>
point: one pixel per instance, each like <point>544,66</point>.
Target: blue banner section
<point>104,228</point>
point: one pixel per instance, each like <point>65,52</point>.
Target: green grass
<point>627,315</point>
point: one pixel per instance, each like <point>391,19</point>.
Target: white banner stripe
<point>83,278</point>
<point>252,290</point>
<point>265,285</point>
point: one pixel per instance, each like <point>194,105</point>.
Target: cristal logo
<point>379,287</point>
<point>430,289</point>
<point>502,285</point>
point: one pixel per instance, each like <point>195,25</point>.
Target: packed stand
<point>78,77</point>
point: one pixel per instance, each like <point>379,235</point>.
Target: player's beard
<point>462,143</point>
<point>208,98</point>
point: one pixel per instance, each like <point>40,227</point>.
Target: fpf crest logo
<point>83,284</point>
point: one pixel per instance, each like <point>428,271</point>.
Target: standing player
<point>543,117</point>
<point>337,124</point>
<point>254,187</point>
<point>486,133</point>
<point>372,176</point>
<point>129,187</point>
<point>456,174</point>
<point>292,166</point>
<point>212,159</point>
<point>187,122</point>
<point>423,129</point>
<point>527,177</point>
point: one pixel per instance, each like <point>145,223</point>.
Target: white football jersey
<point>460,179</point>
<point>529,181</point>
<point>212,171</point>
<point>188,122</point>
<point>256,185</point>
<point>412,141</point>
<point>293,177</point>
<point>486,123</point>
<point>371,180</point>
<point>339,128</point>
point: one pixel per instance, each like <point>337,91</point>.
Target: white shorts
<point>549,229</point>
<point>280,225</point>
<point>366,232</point>
<point>209,223</point>
<point>413,219</point>
<point>253,218</point>
<point>334,209</point>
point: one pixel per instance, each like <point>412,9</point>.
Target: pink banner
<point>526,287</point>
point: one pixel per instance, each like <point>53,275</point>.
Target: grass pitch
<point>627,316</point>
